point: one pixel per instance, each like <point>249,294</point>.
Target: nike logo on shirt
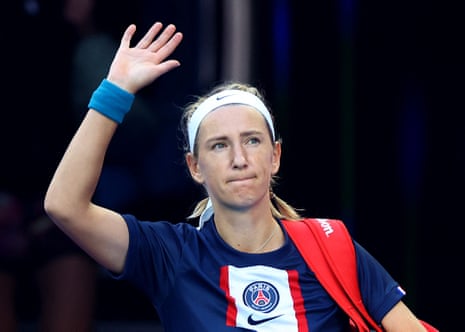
<point>252,321</point>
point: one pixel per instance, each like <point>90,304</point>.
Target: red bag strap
<point>327,247</point>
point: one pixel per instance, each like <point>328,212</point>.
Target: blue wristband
<point>111,101</point>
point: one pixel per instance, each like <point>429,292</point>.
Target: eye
<point>218,146</point>
<point>253,140</point>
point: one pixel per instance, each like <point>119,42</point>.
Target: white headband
<point>222,98</point>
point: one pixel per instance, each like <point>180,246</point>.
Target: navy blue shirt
<point>197,282</point>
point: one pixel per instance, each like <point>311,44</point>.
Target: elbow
<point>51,207</point>
<point>64,209</point>
<point>55,208</point>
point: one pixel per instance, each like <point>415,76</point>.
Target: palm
<point>135,67</point>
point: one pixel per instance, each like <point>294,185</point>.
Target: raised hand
<point>135,67</point>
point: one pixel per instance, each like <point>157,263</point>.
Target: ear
<point>193,166</point>
<point>276,162</point>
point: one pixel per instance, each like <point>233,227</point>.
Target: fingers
<point>168,47</point>
<point>150,35</point>
<point>168,65</point>
<point>163,38</point>
<point>127,36</point>
<point>169,39</point>
<point>164,44</point>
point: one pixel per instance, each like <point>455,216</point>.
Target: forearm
<point>401,318</point>
<point>74,182</point>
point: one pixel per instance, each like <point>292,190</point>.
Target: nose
<point>239,158</point>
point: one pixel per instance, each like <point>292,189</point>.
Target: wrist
<point>111,101</point>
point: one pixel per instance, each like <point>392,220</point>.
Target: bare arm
<point>102,233</point>
<point>401,319</point>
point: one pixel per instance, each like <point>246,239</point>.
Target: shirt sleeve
<point>153,257</point>
<point>380,292</point>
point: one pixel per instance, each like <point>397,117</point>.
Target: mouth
<point>241,179</point>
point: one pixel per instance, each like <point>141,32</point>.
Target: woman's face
<point>236,156</point>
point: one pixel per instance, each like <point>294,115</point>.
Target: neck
<point>251,236</point>
<point>268,240</point>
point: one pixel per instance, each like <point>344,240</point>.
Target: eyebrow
<point>243,134</point>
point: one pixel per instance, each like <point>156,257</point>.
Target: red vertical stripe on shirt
<point>231,311</point>
<point>299,308</point>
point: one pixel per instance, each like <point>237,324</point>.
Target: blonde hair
<point>279,208</point>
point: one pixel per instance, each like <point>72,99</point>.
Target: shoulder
<point>160,227</point>
<point>329,229</point>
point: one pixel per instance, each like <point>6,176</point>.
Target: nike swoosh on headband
<point>222,98</point>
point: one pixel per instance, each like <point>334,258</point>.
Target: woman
<point>238,270</point>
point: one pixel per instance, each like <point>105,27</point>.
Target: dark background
<point>369,101</point>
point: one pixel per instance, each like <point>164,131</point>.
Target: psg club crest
<point>261,296</point>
